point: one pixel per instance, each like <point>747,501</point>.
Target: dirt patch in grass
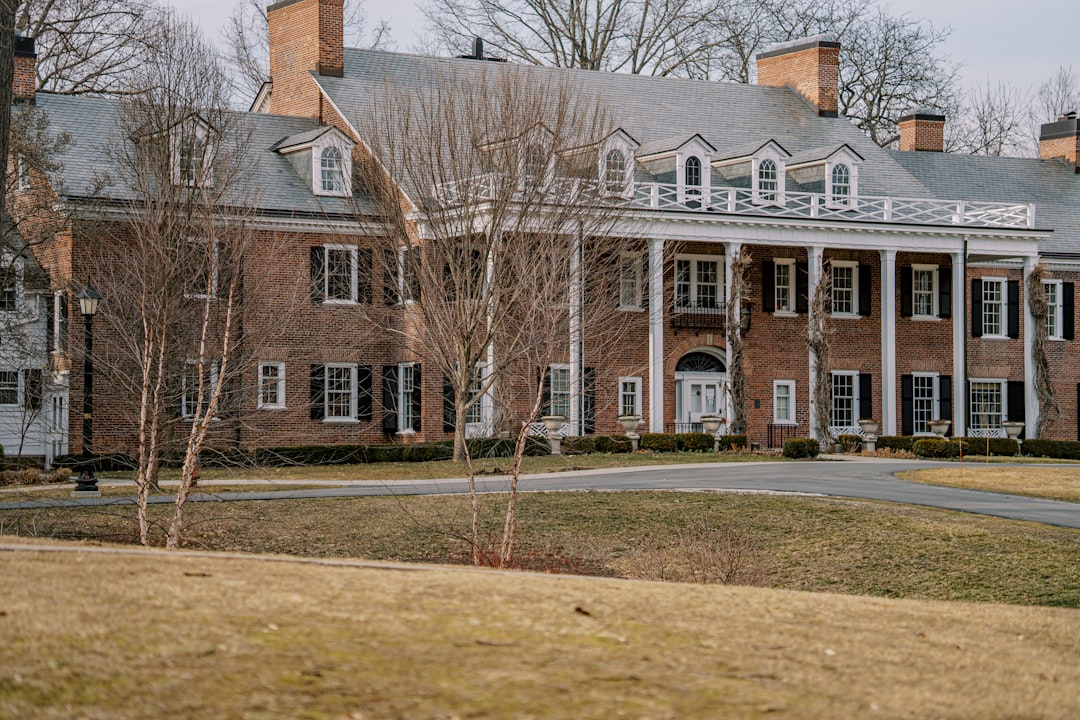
<point>120,636</point>
<point>827,544</point>
<point>1054,483</point>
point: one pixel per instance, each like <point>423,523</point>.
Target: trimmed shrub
<point>997,446</point>
<point>613,444</point>
<point>850,442</point>
<point>896,442</point>
<point>579,445</point>
<point>657,442</point>
<point>1058,449</point>
<point>936,447</point>
<point>733,442</point>
<point>694,442</point>
<point>801,448</point>
<point>27,476</point>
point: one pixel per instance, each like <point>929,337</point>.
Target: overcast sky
<point>1019,41</point>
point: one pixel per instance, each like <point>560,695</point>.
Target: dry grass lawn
<point>88,635</point>
<point>1058,483</point>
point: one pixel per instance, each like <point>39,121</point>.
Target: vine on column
<point>1039,303</point>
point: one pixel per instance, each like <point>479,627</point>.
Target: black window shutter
<point>802,287</point>
<point>50,324</point>
<point>318,274</point>
<point>34,388</point>
<point>363,392</point>
<point>448,283</point>
<point>1068,312</point>
<point>1015,409</point>
<point>449,411</point>
<point>864,290</point>
<point>417,399</point>
<point>1078,411</point>
<point>866,396</point>
<point>390,275</point>
<point>945,400</point>
<point>906,295</point>
<point>976,308</point>
<point>944,284</point>
<point>1014,308</point>
<point>389,399</point>
<point>768,286</point>
<point>545,392</point>
<point>363,275</point>
<point>411,268</point>
<point>907,405</point>
<point>588,402</point>
<point>318,392</point>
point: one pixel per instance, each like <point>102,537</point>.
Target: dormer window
<point>615,172</point>
<point>535,162</point>
<point>768,185</point>
<point>693,176</point>
<point>841,183</point>
<point>331,171</point>
<point>191,153</point>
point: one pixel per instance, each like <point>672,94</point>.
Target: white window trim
<point>331,140</point>
<point>569,393</point>
<point>353,392</point>
<point>855,399</point>
<point>781,175</point>
<point>22,169</point>
<point>721,281</point>
<point>213,271</point>
<point>625,188</point>
<point>280,382</point>
<point>936,412</point>
<point>404,404</point>
<point>205,175</point>
<point>637,393</point>
<point>935,311</point>
<point>1058,308</point>
<point>851,202</point>
<point>353,270</point>
<point>636,259</point>
<point>401,275</point>
<point>1002,384</point>
<point>17,282</point>
<point>188,364</point>
<point>790,309</point>
<point>1004,313</point>
<point>790,384</point>
<point>18,389</point>
<point>854,265</point>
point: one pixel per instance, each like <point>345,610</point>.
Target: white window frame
<point>854,375</point>
<point>8,387</point>
<point>569,392</point>
<point>59,297</point>
<point>404,397</point>
<point>854,266</point>
<point>279,385</point>
<point>772,197</point>
<point>1003,400</point>
<point>353,393</point>
<point>22,169</point>
<point>789,385</point>
<point>934,309</point>
<point>203,175</point>
<point>788,307</point>
<point>935,401</point>
<point>635,391</point>
<point>331,140</point>
<point>615,186</point>
<point>403,275</point>
<point>353,253</point>
<point>1055,311</point>
<point>190,368</point>
<point>1002,304</point>
<point>692,303</point>
<point>631,261</point>
<point>196,293</point>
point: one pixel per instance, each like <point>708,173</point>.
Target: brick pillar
<point>810,66</point>
<point>25,77</point>
<point>1061,141</point>
<point>306,36</point>
<point>922,131</point>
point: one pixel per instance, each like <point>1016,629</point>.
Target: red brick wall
<point>305,36</point>
<point>922,135</point>
<point>1067,148</point>
<point>813,72</point>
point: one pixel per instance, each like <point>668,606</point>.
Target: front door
<point>698,395</point>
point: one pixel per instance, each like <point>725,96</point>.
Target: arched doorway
<point>700,380</point>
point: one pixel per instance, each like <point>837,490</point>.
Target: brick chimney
<point>810,66</point>
<point>922,131</point>
<point>25,77</point>
<point>1061,141</point>
<point>305,36</point>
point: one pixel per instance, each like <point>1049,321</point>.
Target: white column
<point>731,249</point>
<point>888,342</point>
<point>1031,398</point>
<point>576,370</point>
<point>814,254</point>
<point>959,344</point>
<point>656,335</point>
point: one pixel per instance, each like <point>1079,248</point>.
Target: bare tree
<point>990,120</point>
<point>1058,95</point>
<point>493,234</point>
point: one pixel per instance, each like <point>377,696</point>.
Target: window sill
<point>926,318</point>
<point>272,407</point>
<point>785,423</point>
<point>785,313</point>
<point>1055,338</point>
<point>995,337</point>
<point>332,301</point>
<point>410,431</point>
<point>631,308</point>
<point>340,421</point>
<point>847,316</point>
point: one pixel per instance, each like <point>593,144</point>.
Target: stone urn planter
<point>554,424</point>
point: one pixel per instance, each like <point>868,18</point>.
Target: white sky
<point>1022,42</point>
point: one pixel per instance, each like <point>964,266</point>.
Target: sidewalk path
<point>866,478</point>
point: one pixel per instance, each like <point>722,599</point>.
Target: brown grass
<point>120,636</point>
<point>1054,483</point>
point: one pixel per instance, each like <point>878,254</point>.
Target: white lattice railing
<point>837,430</point>
<point>986,432</point>
<point>743,201</point>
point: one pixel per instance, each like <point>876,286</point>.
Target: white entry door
<point>698,394</point>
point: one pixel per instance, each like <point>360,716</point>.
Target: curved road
<point>868,478</point>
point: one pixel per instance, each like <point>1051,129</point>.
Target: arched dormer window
<point>767,181</point>
<point>615,172</point>
<point>330,168</point>
<point>535,162</point>
<point>692,176</point>
<point>841,183</point>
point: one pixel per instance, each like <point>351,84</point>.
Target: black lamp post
<point>88,303</point>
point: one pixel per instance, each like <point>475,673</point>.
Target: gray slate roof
<point>94,126</point>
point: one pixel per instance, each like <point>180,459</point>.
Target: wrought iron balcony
<point>685,315</point>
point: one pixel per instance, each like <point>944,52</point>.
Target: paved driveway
<point>868,478</point>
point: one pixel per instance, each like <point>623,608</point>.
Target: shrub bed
<point>1057,449</point>
<point>694,442</point>
<point>896,442</point>
<point>801,448</point>
<point>613,444</point>
<point>657,442</point>
<point>733,442</point>
<point>996,446</point>
<point>850,442</point>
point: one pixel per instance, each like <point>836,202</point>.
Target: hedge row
<point>801,448</point>
<point>1059,449</point>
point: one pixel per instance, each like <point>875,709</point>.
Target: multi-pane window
<point>195,397</point>
<point>560,390</point>
<point>630,280</point>
<point>408,388</point>
<point>340,392</point>
<point>987,404</point>
<point>408,274</point>
<point>993,306</point>
<point>784,401</point>
<point>340,273</point>
<point>1054,310</point>
<point>844,291</point>
<point>272,385</point>
<point>768,183</point>
<point>330,171</point>
<point>924,401</point>
<point>630,396</point>
<point>692,168</point>
<point>9,387</point>
<point>7,292</point>
<point>615,172</point>
<point>783,271</point>
<point>923,292</point>
<point>23,170</point>
<point>202,269</point>
<point>841,183</point>
<point>536,162</point>
<point>845,399</point>
<point>475,412</point>
<point>698,283</point>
